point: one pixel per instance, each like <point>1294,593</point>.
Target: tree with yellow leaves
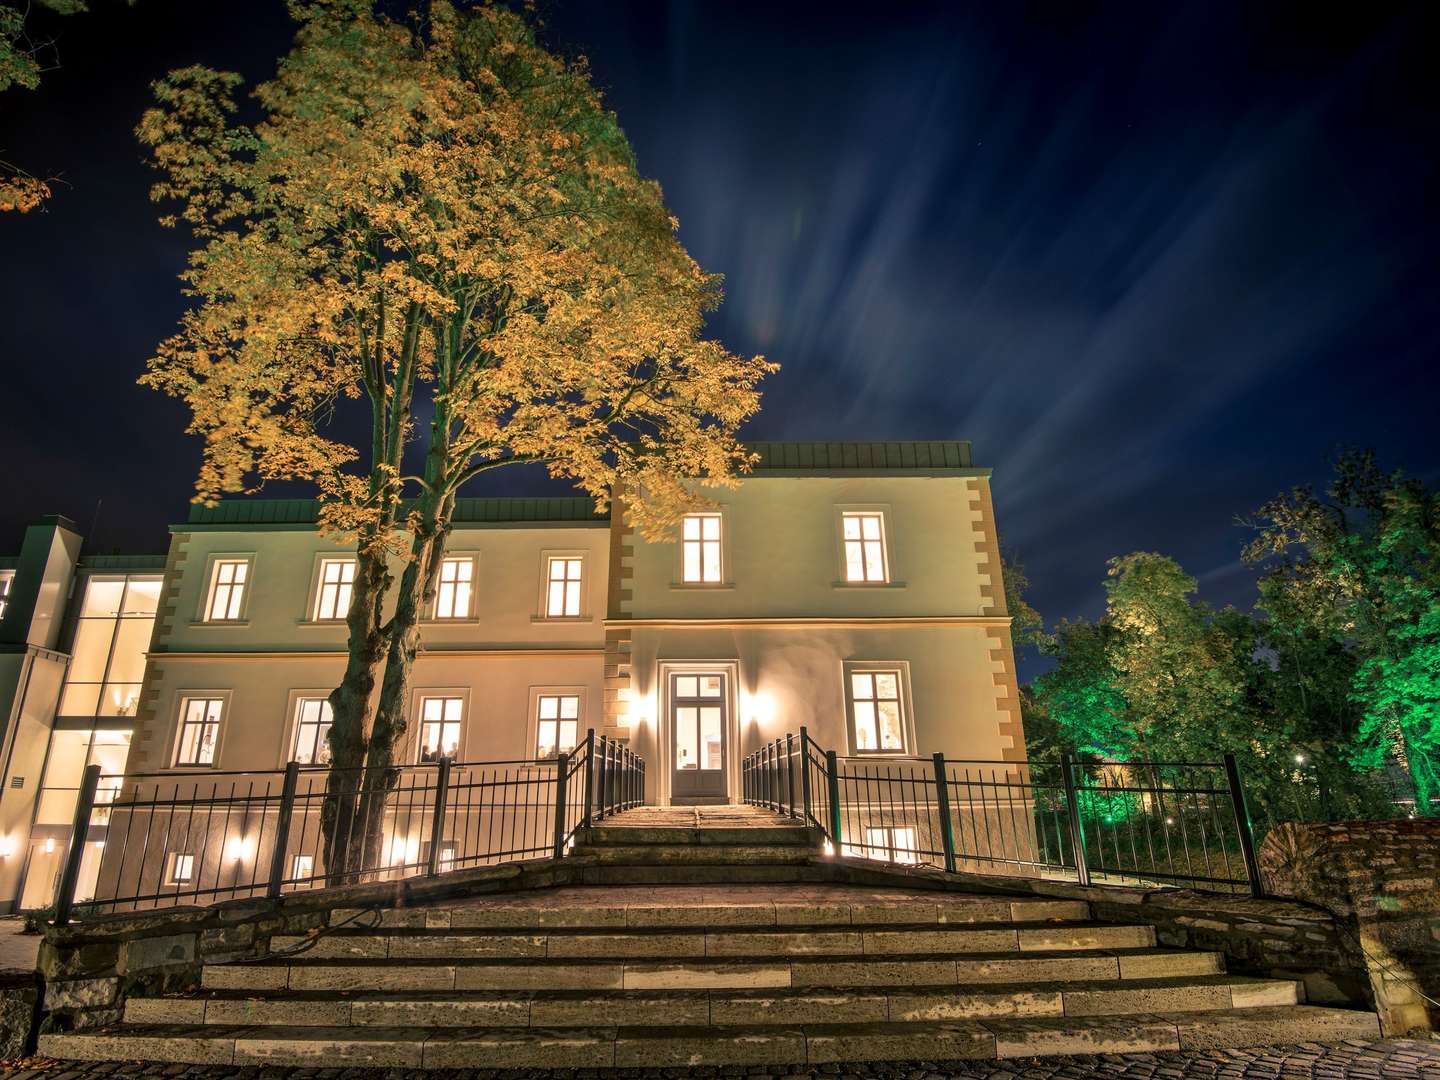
<point>437,218</point>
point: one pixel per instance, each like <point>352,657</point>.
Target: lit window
<point>700,549</point>
<point>455,592</point>
<point>562,587</point>
<point>182,869</point>
<point>6,577</point>
<point>302,867</point>
<point>896,845</point>
<point>440,727</point>
<point>199,730</point>
<point>876,706</point>
<point>446,862</point>
<point>865,547</point>
<point>227,590</point>
<point>337,581</point>
<point>558,723</point>
<point>312,730</point>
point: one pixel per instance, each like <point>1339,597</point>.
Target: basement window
<point>182,868</point>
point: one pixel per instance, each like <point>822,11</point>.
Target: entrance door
<point>698,721</point>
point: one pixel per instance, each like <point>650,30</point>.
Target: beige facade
<point>853,589</point>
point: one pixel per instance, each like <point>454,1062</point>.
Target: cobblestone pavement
<point>1390,1059</point>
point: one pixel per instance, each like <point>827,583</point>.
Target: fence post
<point>832,779</point>
<point>779,777</point>
<point>942,799</point>
<point>1077,827</point>
<point>282,829</point>
<point>589,777</point>
<point>80,830</point>
<point>1242,826</point>
<point>437,819</point>
<point>562,771</point>
<point>603,763</point>
<point>790,770</point>
<point>805,775</point>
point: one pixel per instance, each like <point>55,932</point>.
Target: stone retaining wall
<point>1382,880</point>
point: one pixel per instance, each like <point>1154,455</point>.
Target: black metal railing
<point>1135,823</point>
<point>165,839</point>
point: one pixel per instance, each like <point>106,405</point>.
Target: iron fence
<point>1138,823</point>
<point>160,840</point>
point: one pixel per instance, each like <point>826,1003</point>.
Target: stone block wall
<point>1382,880</point>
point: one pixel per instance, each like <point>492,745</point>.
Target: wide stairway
<point>671,959</point>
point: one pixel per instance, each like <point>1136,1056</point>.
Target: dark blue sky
<point>1156,260</point>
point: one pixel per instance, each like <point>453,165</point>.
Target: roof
<point>930,458</point>
<point>303,513</point>
<point>851,458</point>
<point>122,562</point>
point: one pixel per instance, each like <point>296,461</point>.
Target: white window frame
<point>298,698</point>
<point>302,867</point>
<point>319,585</point>
<point>583,592</point>
<point>172,871</point>
<point>7,578</point>
<point>468,615</point>
<point>212,584</point>
<point>418,718</point>
<point>185,697</point>
<point>683,546</point>
<point>533,728</point>
<point>863,547</point>
<point>899,668</point>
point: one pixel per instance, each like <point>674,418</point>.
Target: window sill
<point>218,624</point>
<point>703,586</point>
<point>319,622</point>
<point>867,585</point>
<point>562,619</point>
<point>465,620</point>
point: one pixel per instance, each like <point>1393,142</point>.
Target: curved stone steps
<point>678,1045</point>
<point>560,1008</point>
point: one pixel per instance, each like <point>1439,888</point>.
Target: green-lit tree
<point>1080,696</point>
<point>1359,570</point>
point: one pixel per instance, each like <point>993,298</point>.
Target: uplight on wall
<point>7,847</point>
<point>237,849</point>
<point>760,708</point>
<point>50,845</point>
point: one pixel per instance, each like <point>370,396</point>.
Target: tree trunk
<point>416,593</point>
<point>351,714</point>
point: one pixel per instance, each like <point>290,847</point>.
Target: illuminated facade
<point>850,587</point>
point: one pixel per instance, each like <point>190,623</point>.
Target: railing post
<point>790,770</point>
<point>777,775</point>
<point>562,771</point>
<point>805,775</point>
<point>1077,827</point>
<point>1242,826</point>
<point>80,830</point>
<point>604,763</point>
<point>589,777</point>
<point>942,801</point>
<point>832,779</point>
<point>437,819</point>
<point>282,829</point>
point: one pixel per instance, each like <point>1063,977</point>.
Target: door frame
<point>666,735</point>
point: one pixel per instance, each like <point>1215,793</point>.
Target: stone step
<point>678,1045</point>
<point>674,836</point>
<point>717,1008</point>
<point>787,873</point>
<point>685,854</point>
<point>730,942</point>
<point>938,908</point>
<point>638,974</point>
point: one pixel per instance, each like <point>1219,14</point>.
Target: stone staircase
<point>699,942</point>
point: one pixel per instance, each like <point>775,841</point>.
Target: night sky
<point>1156,261</point>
